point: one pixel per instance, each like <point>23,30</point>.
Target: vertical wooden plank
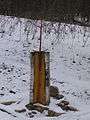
<point>36,77</point>
<point>40,78</point>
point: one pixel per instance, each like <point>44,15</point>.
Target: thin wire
<point>40,37</point>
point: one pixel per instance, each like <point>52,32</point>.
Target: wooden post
<point>40,80</point>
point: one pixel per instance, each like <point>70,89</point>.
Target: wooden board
<point>39,79</point>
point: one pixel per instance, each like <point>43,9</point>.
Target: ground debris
<point>30,115</point>
<point>37,106</point>
<point>20,110</point>
<point>8,102</point>
<point>11,91</point>
<point>34,112</point>
<point>65,106</point>
<point>63,103</point>
<point>52,113</point>
<point>58,97</point>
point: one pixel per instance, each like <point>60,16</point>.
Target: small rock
<point>33,112</point>
<point>9,70</point>
<point>51,43</point>
<point>1,94</point>
<point>40,108</point>
<point>8,102</point>
<point>12,92</point>
<point>63,103</point>
<point>2,88</point>
<point>6,50</point>
<point>61,82</point>
<point>86,92</point>
<point>65,106</point>
<point>23,73</point>
<point>29,113</point>
<point>54,91</point>
<point>30,106</point>
<point>52,113</point>
<point>31,116</point>
<point>37,106</point>
<point>24,80</point>
<point>58,97</point>
<point>74,61</point>
<point>21,110</point>
<point>72,108</point>
<point>88,58</point>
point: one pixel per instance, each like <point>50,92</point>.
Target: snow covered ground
<point>69,70</point>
